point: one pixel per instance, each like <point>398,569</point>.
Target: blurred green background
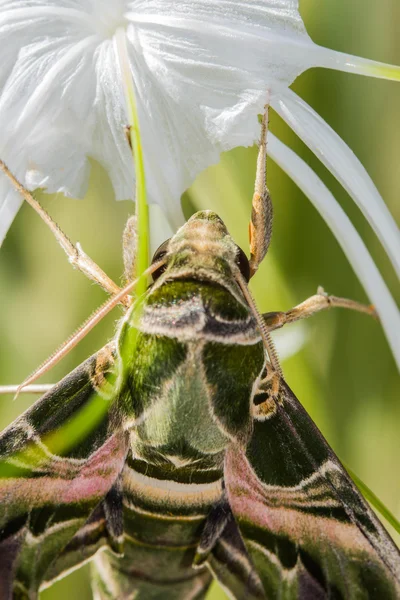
<point>344,374</point>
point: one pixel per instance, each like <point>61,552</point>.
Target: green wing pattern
<point>309,533</point>
<point>56,511</point>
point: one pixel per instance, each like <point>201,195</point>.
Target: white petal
<point>201,68</point>
<point>343,164</point>
<point>346,235</point>
<point>10,203</point>
<point>48,95</point>
<point>200,83</point>
<point>108,142</point>
<point>10,200</point>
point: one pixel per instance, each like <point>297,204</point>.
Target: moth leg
<point>129,244</point>
<point>87,326</point>
<point>260,227</point>
<point>320,301</point>
<point>76,256</point>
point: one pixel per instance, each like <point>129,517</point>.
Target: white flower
<point>202,70</point>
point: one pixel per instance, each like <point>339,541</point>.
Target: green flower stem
<point>129,342</point>
<point>142,257</point>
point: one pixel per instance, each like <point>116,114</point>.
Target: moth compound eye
<point>158,255</point>
<point>243,264</point>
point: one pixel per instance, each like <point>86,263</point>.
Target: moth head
<point>202,245</point>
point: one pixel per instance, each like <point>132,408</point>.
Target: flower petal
<point>344,165</point>
<point>200,83</point>
<point>202,70</point>
<point>347,236</point>
<point>10,204</point>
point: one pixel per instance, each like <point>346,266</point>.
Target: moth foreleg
<point>320,301</point>
<point>76,256</point>
<point>260,227</point>
<point>129,243</point>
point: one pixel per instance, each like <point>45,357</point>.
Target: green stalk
<point>142,214</point>
<point>129,340</point>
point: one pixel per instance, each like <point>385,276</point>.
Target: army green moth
<point>204,464</point>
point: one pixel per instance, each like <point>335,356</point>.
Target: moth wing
<point>222,549</point>
<point>307,529</point>
<point>55,511</point>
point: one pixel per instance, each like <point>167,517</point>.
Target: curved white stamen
<point>344,165</point>
<point>347,236</point>
<point>340,61</point>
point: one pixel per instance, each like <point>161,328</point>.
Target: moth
<point>203,463</point>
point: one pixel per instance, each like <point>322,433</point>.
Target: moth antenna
<point>265,335</point>
<point>76,255</point>
<point>273,352</point>
<point>87,326</point>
